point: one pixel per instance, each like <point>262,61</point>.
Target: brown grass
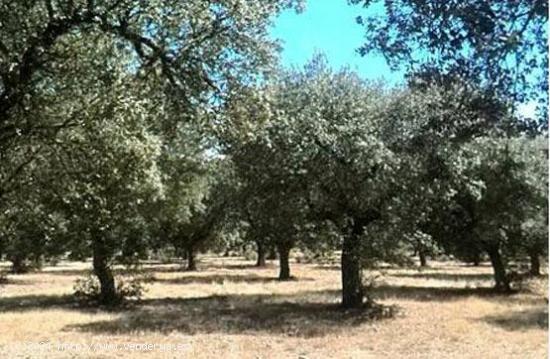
<point>231,309</point>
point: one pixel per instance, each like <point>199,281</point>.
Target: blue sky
<point>329,26</point>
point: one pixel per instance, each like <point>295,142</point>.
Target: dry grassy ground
<point>230,309</point>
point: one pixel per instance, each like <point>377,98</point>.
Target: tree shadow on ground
<point>24,303</point>
<point>237,266</point>
<point>236,314</point>
<point>445,276</point>
<point>534,318</point>
<point>17,281</point>
<point>424,293</point>
<point>313,299</point>
<point>447,294</point>
<point>303,314</point>
<point>223,278</point>
<point>159,268</point>
<point>32,302</point>
<point>164,268</point>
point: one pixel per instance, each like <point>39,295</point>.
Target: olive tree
<point>102,178</point>
<point>195,47</point>
<point>500,191</point>
<point>271,198</point>
<point>334,156</point>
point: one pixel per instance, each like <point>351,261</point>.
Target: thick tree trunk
<point>108,294</point>
<point>18,265</point>
<point>260,261</point>
<point>352,277</point>
<point>284,266</point>
<point>191,263</point>
<point>534,269</point>
<point>502,283</point>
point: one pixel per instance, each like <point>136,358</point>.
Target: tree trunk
<point>260,262</point>
<point>422,256</point>
<point>534,269</point>
<point>352,281</point>
<point>108,293</point>
<point>38,262</point>
<point>272,253</point>
<point>191,263</point>
<point>18,265</point>
<point>502,283</point>
<point>284,267</point>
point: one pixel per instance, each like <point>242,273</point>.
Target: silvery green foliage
<point>317,154</point>
<point>499,44</point>
<point>334,125</point>
<point>426,125</point>
<point>534,227</point>
<point>194,42</point>
<point>192,50</point>
<point>506,181</point>
<point>107,171</point>
<point>30,230</point>
<point>99,169</point>
<point>91,91</point>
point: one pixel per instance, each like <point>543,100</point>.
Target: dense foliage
<point>500,44</point>
<point>132,130</point>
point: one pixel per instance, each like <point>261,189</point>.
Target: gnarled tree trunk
<point>284,266</point>
<point>108,293</point>
<point>502,283</point>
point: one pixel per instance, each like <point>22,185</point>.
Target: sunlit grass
<point>229,308</point>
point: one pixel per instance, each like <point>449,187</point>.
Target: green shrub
<point>129,286</point>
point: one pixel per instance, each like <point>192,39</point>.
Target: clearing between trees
<point>231,308</point>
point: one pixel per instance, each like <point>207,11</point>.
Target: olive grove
<point>130,128</point>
